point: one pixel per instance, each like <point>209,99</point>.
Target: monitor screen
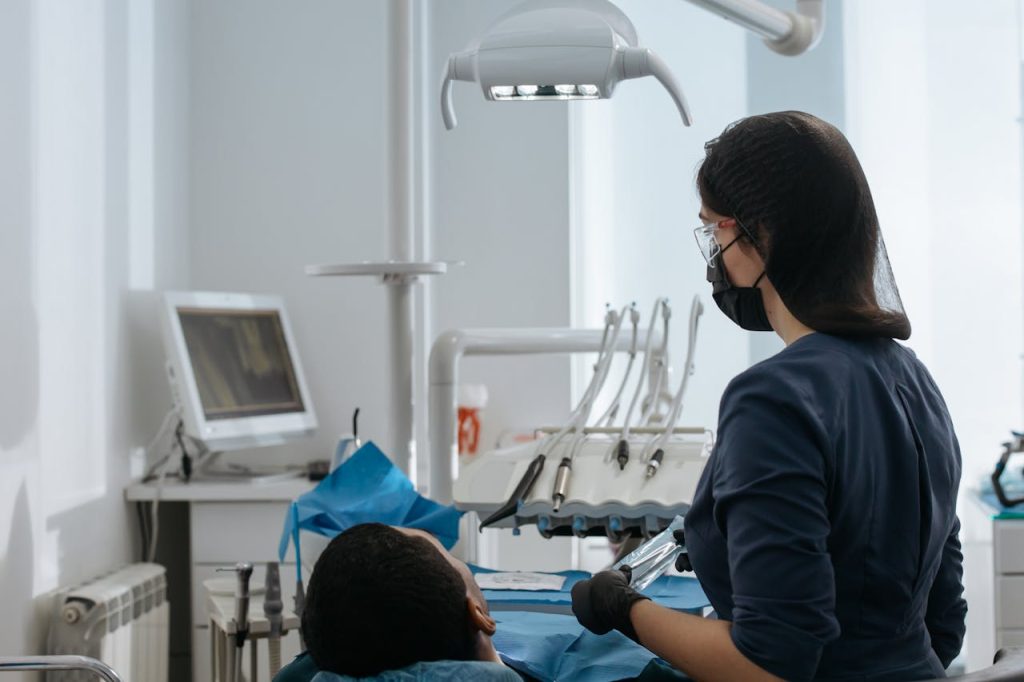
<point>241,362</point>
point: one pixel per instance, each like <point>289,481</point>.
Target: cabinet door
<point>1010,602</point>
<point>226,532</point>
<point>1008,538</point>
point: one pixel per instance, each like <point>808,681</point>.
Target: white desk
<point>227,523</point>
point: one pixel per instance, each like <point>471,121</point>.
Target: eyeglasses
<point>709,246</point>
<point>706,242</point>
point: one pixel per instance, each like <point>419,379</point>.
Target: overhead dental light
<point>581,49</point>
<point>565,50</point>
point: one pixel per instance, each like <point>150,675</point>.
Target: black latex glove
<point>683,560</point>
<point>602,603</point>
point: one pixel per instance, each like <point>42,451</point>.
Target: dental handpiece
<point>243,572</point>
<point>654,463</point>
<point>561,484</point>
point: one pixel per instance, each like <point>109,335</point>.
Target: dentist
<point>824,528</point>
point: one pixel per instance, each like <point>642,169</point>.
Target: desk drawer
<point>1010,601</point>
<point>1008,541</point>
<point>225,532</point>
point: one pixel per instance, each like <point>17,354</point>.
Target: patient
<point>384,599</point>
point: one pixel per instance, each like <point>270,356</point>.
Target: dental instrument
<point>581,49</point>
<point>521,491</point>
<point>654,463</point>
<point>586,499</point>
<point>622,447</point>
<point>243,572</point>
<point>526,483</point>
<point>650,560</point>
<point>273,608</point>
<point>561,484</point>
<point>583,413</point>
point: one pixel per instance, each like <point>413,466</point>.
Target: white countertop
<point>220,491</point>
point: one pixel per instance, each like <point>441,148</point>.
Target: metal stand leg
<point>222,656</point>
<point>233,661</point>
<point>213,652</point>
<point>254,674</point>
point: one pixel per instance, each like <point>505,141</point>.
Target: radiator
<point>121,619</point>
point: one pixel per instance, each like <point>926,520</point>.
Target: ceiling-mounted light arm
<point>461,67</point>
<point>638,62</point>
<point>788,33</point>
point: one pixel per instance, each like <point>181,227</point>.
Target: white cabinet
<point>228,523</point>
<point>1008,545</point>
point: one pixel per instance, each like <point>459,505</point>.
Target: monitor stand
<point>238,473</point>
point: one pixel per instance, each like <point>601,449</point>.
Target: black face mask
<point>742,305</point>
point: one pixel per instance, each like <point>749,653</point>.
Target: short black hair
<point>381,600</point>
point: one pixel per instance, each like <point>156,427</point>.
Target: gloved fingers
<point>679,537</point>
<point>627,571</point>
<point>683,563</point>
<point>583,608</point>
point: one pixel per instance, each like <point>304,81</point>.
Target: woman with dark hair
<point>824,528</point>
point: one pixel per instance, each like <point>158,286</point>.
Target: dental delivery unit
<point>601,476</point>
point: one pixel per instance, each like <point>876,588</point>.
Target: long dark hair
<point>794,181</point>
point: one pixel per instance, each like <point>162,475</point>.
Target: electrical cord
<point>154,532</point>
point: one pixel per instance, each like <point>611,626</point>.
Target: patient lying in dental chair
<point>392,604</point>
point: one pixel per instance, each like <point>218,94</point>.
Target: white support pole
<point>402,236</point>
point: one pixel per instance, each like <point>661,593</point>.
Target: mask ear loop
<point>757,247</point>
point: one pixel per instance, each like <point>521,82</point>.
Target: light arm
<point>788,33</point>
<point>638,62</point>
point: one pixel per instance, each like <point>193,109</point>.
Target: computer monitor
<point>234,370</point>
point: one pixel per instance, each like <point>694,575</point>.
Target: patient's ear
<point>479,618</point>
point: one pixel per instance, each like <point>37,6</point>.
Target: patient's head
<point>382,598</point>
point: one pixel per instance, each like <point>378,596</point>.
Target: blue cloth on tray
<point>366,488</point>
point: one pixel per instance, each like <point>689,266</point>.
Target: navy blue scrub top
<point>824,526</point>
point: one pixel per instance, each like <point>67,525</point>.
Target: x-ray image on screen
<point>241,362</point>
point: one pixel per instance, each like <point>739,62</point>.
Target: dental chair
<point>54,663</point>
<point>1008,666</point>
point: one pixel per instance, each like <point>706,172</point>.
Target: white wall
<point>634,195</point>
<point>934,99</point>
<point>287,168</point>
<point>499,196</point>
<point>72,404</point>
<point>779,83</point>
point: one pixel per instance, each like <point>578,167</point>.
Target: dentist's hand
<point>602,603</point>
